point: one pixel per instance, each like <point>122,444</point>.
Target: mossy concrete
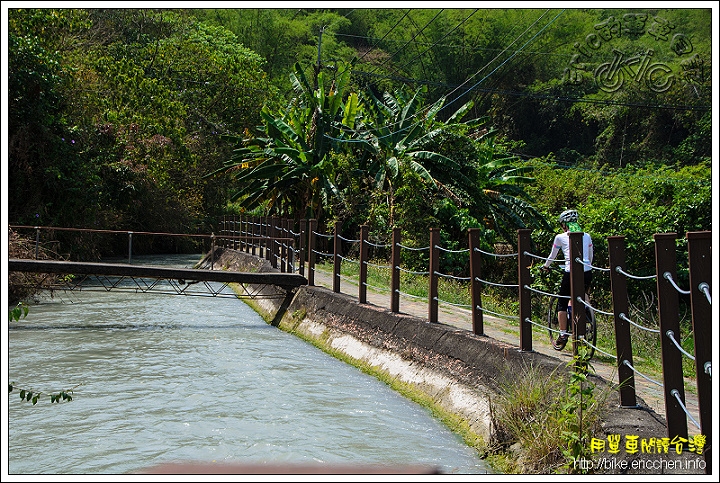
<point>456,370</point>
<point>452,371</point>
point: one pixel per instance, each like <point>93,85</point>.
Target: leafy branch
<point>30,396</point>
<point>20,311</point>
<point>579,399</point>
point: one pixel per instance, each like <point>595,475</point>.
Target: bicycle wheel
<point>590,331</point>
<point>553,327</point>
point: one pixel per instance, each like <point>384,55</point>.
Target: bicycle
<point>554,328</point>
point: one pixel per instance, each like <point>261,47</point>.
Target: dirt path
<point>497,328</point>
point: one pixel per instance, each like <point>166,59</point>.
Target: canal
<point>168,378</point>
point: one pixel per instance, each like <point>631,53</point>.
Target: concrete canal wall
<point>448,369</point>
<point>455,369</point>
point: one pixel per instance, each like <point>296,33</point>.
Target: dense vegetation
<point>163,120</point>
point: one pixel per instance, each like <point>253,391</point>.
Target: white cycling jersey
<point>562,241</point>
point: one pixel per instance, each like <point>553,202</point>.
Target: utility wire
<point>436,43</point>
<point>407,12</point>
<point>484,67</point>
<point>452,46</point>
<point>413,38</point>
<point>506,60</point>
<point>531,95</point>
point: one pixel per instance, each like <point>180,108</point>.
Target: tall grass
<point>543,423</point>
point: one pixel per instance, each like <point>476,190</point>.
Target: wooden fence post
<point>223,242</point>
<point>248,233</point>
<point>222,230</point>
<point>236,243</point>
<point>395,272</point>
<point>524,280</point>
<point>284,245</point>
<point>362,284</point>
<point>37,242</point>
<point>291,245</point>
<point>268,238</point>
<point>337,252</point>
<point>668,308</point>
<point>253,232</point>
<point>284,233</point>
<point>212,251</point>
<point>311,251</point>
<point>700,265</point>
<point>302,257</point>
<point>242,242</point>
<point>623,342</point>
<point>475,284</point>
<point>273,241</point>
<point>434,269</point>
<point>577,290</point>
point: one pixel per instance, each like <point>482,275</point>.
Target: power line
<point>452,46</point>
<point>436,43</point>
<point>407,12</point>
<point>509,58</point>
<point>413,38</point>
<point>503,63</point>
<point>531,95</point>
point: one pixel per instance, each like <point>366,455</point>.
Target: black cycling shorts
<point>562,303</point>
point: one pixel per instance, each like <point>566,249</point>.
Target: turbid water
<point>167,378</point>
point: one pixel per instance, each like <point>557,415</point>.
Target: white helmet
<point>568,216</point>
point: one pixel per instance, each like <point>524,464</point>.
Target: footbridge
<point>79,276</point>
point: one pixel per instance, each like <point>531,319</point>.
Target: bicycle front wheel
<point>590,331</point>
<point>553,327</point>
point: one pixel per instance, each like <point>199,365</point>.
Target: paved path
<point>500,329</point>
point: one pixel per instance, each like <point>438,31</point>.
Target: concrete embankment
<point>451,370</point>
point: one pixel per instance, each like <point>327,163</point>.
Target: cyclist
<point>569,222</point>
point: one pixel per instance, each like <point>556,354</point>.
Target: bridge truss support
<point>81,276</point>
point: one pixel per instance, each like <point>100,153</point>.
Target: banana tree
<point>460,160</point>
<point>500,200</point>
<point>287,166</point>
<point>397,131</point>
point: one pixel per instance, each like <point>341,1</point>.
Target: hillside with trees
<point>165,119</point>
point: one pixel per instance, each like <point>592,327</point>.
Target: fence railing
<point>296,245</point>
<point>314,246</point>
<point>51,235</point>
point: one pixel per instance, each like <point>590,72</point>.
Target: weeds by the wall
<point>543,423</point>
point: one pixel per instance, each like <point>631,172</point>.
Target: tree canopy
<point>118,116</point>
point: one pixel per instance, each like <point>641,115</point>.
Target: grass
<point>501,300</point>
<point>543,422</point>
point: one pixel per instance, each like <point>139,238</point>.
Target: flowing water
<point>169,378</point>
